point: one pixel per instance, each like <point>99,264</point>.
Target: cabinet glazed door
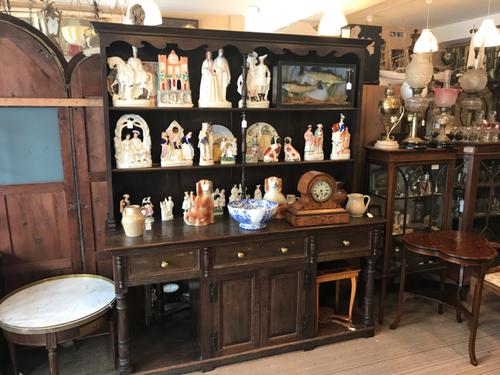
<point>236,301</point>
<point>283,305</point>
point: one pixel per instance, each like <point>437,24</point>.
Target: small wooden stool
<point>326,276</point>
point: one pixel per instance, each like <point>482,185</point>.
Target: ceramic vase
<point>419,71</point>
<point>133,221</point>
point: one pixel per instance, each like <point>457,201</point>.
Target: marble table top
<point>56,304</point>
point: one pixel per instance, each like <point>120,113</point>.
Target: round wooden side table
<point>55,310</point>
<point>462,248</point>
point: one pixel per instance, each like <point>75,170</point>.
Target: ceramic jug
<point>356,204</point>
<point>133,221</point>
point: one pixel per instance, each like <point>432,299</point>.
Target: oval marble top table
<point>56,304</point>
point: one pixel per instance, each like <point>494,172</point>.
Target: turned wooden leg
<point>383,290</point>
<point>13,359</point>
<point>52,353</point>
<point>353,297</point>
<point>476,305</point>
<point>148,308</point>
<point>459,293</point>
<point>402,277</point>
<point>112,337</point>
<point>123,335</point>
<point>337,296</point>
<point>369,291</point>
<point>317,307</point>
<point>442,277</point>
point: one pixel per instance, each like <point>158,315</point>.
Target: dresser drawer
<point>176,263</point>
<point>244,253</point>
<point>342,244</point>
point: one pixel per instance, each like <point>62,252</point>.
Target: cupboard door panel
<point>236,315</point>
<point>283,302</point>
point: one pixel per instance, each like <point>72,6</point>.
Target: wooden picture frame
<point>309,85</point>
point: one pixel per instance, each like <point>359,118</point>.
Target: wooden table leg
<point>369,291</point>
<point>123,335</point>
<point>353,296</point>
<point>395,324</point>
<point>52,353</point>
<point>459,292</point>
<point>13,358</point>
<point>442,277</point>
<point>476,305</point>
<point>112,335</point>
<point>317,307</point>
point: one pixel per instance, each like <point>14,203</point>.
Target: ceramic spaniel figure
<point>206,144</point>
<point>272,188</point>
<point>272,153</point>
<point>291,154</point>
<point>340,140</point>
<point>202,212</point>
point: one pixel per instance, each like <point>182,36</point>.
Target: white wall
<point>460,30</point>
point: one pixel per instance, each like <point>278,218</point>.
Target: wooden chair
<point>325,276</point>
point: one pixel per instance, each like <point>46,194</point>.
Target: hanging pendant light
<point>143,12</point>
<point>426,42</point>
<point>487,33</point>
<point>332,21</point>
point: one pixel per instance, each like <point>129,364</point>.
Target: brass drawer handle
<point>240,254</point>
<point>284,250</point>
<point>346,243</point>
<point>164,264</point>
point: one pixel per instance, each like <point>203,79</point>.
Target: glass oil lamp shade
<point>473,80</point>
<point>445,97</point>
<point>470,108</point>
<point>390,111</point>
<point>419,71</point>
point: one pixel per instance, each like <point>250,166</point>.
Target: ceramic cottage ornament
<point>291,154</point>
<point>132,151</point>
<point>129,84</point>
<point>313,149</point>
<point>176,149</point>
<point>272,188</point>
<point>340,140</point>
<point>272,153</point>
<point>202,212</point>
<point>206,144</point>
<point>229,150</point>
<point>258,81</point>
<point>167,209</point>
<point>173,81</point>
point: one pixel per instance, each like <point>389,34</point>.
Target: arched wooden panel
<point>32,66</point>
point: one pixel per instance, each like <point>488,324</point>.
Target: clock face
<point>321,191</point>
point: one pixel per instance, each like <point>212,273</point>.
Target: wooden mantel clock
<point>319,202</point>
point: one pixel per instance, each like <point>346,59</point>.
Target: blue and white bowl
<point>252,214</point>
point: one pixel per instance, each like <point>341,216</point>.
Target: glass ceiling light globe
<point>427,42</point>
<point>151,10</point>
<point>488,33</point>
<point>332,21</point>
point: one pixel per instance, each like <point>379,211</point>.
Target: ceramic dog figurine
<point>202,211</point>
<point>272,187</point>
<point>272,153</point>
<point>291,154</point>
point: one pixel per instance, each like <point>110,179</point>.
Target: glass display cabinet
<point>412,189</point>
<point>476,190</point>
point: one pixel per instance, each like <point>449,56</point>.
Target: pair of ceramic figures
<point>341,139</point>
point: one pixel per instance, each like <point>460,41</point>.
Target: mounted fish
<point>313,84</point>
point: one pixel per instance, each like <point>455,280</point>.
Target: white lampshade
<point>151,9</point>
<point>332,21</point>
<point>426,42</point>
<point>488,33</point>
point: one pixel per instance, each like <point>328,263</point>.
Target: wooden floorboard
<point>425,343</point>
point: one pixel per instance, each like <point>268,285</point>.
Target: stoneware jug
<point>133,221</point>
<point>356,204</point>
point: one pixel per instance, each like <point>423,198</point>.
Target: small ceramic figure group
<point>258,80</point>
<point>173,81</point>
<point>125,202</point>
<point>206,144</point>
<point>272,187</point>
<point>202,211</point>
<point>313,149</point>
<point>215,78</point>
<point>176,148</point>
<point>236,193</point>
<point>272,153</point>
<point>219,198</point>
<point>340,140</point>
<point>257,194</point>
<point>229,150</point>
<point>130,84</point>
<point>167,209</point>
<point>252,153</point>
<point>130,150</point>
